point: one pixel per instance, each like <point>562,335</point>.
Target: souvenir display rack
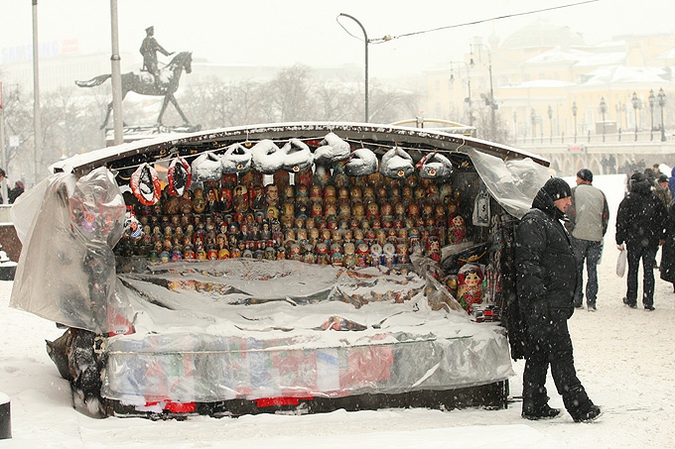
<point>387,221</point>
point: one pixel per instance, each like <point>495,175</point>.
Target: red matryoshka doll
<point>456,229</point>
<point>228,181</point>
<point>387,211</point>
<point>362,253</point>
<point>226,200</point>
<point>315,193</point>
<point>434,249</point>
<point>304,177</point>
<point>188,253</point>
<point>294,252</point>
<point>223,253</point>
<point>372,211</point>
<point>316,210</point>
<point>470,286</point>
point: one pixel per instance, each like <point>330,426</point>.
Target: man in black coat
<point>546,282</point>
<point>640,223</point>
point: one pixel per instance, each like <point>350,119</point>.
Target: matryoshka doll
<point>315,193</point>
<point>470,288</point>
<point>225,199</point>
<point>223,253</point>
<point>272,195</point>
<point>188,253</point>
<point>456,229</point>
<point>362,253</point>
<point>349,259</point>
<point>375,255</point>
<point>198,201</point>
<point>321,253</point>
<point>434,249</point>
<point>388,255</point>
<point>186,203</point>
<point>240,198</point>
<point>257,200</point>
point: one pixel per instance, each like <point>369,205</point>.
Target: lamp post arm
<point>366,42</point>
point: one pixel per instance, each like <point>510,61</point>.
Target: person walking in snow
<point>640,224</point>
<point>667,265</point>
<point>546,282</point>
<point>588,217</point>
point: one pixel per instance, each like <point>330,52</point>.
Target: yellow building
<point>527,86</point>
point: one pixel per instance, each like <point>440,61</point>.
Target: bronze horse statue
<point>144,83</point>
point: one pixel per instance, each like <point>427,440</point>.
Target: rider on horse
<point>149,49</point>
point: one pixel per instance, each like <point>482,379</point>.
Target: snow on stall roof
<point>287,130</point>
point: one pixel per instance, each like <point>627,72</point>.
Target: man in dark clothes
<point>640,223</point>
<point>546,283</point>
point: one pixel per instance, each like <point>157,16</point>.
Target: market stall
<point>308,266</point>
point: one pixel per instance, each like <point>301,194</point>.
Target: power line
<point>388,38</point>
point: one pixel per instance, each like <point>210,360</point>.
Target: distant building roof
<point>543,33</point>
<point>622,74</point>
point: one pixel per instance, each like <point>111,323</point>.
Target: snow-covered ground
<point>625,359</point>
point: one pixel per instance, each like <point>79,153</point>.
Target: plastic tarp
<point>66,271</point>
<point>512,183</point>
<point>245,328</point>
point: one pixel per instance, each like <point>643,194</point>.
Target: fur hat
<point>585,174</point>
<point>557,188</point>
<point>663,178</point>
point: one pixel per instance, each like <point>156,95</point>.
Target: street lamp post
<point>489,100</point>
<point>533,116</point>
<point>515,126</point>
<point>366,42</point>
<point>652,102</point>
<point>603,111</point>
<point>662,102</point>
<point>636,103</point>
<point>574,113</point>
<point>550,122</point>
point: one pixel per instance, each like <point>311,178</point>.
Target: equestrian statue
<point>151,80</point>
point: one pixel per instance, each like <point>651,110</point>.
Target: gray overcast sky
<point>277,32</point>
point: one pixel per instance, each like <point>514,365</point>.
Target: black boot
<point>592,414</point>
<point>541,412</point>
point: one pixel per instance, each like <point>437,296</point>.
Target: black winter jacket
<point>546,266</point>
<point>641,218</point>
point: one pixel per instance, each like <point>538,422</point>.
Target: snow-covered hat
<point>557,188</point>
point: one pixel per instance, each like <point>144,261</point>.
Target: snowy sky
<point>271,32</point>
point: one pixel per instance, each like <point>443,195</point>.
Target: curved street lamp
<point>662,102</point>
<point>652,103</point>
<point>603,111</point>
<point>636,104</point>
<point>574,113</point>
<point>366,42</point>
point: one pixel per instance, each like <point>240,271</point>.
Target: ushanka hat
<point>557,188</point>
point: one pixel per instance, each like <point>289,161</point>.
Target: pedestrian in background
<point>546,283</point>
<point>640,223</point>
<point>661,189</point>
<point>588,218</point>
<point>16,191</point>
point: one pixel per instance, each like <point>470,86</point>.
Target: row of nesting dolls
<point>348,254</point>
<point>171,235</point>
<point>301,200</point>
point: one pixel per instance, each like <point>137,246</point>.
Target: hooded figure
<point>546,281</point>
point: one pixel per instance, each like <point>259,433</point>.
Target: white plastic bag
<point>621,261</point>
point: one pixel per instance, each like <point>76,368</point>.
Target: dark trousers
<point>589,251</point>
<point>549,343</point>
<point>648,257</point>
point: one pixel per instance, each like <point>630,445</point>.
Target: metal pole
<point>116,76</point>
<point>366,42</point>
<point>3,157</point>
<point>37,123</point>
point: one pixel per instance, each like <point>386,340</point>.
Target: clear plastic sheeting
<point>512,183</point>
<point>66,271</point>
<point>245,328</point>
